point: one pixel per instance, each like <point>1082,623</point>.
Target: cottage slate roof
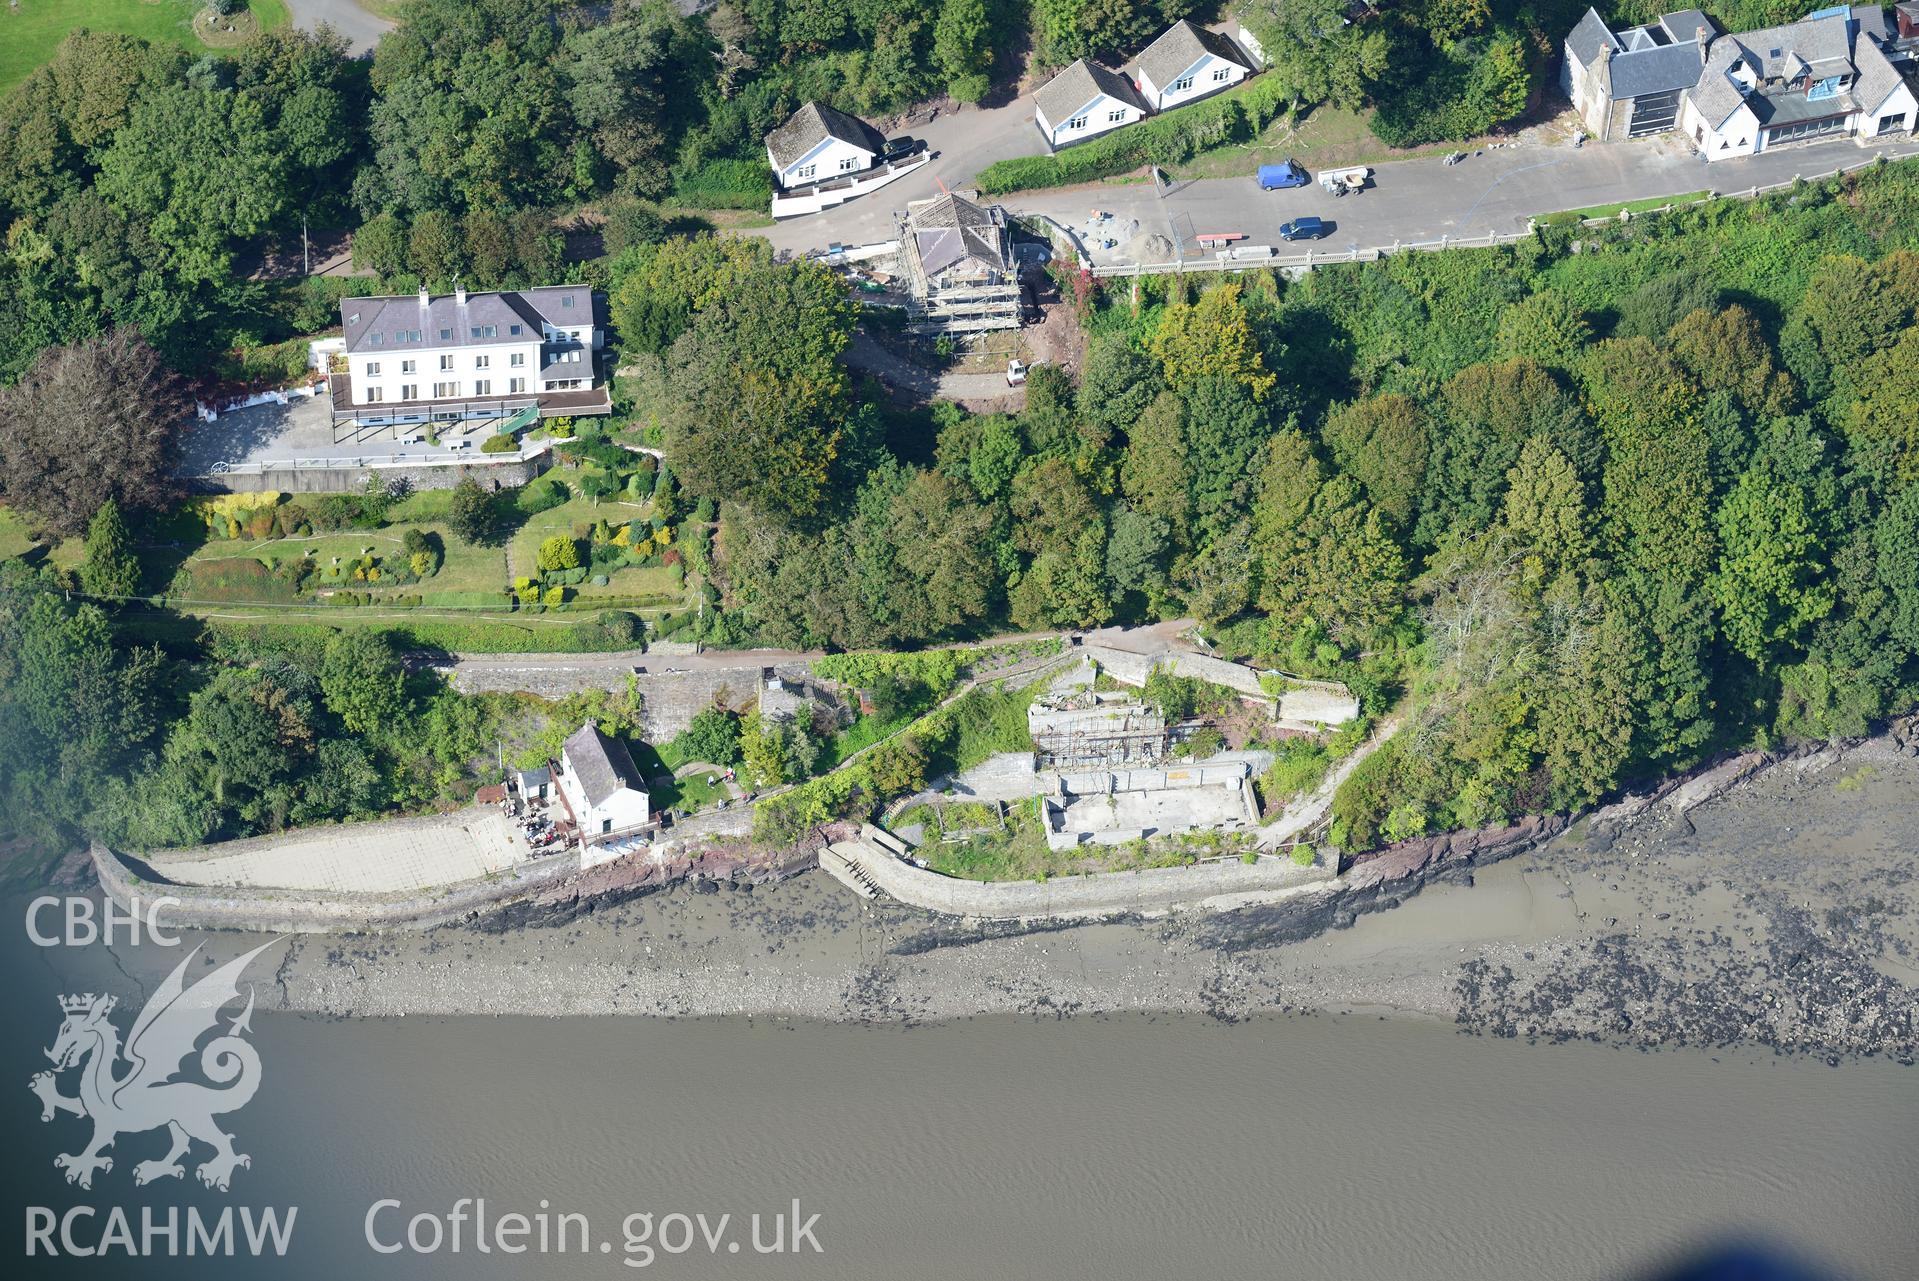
<point>1717,95</point>
<point>1684,24</point>
<point>1656,70</point>
<point>1821,46</point>
<point>1877,76</point>
<point>1074,88</point>
<point>948,228</point>
<point>1590,36</point>
<point>1178,48</point>
<point>401,323</point>
<point>813,124</point>
<point>602,764</point>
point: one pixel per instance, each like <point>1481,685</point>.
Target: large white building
<point>601,786</point>
<point>1846,71</point>
<point>462,357</point>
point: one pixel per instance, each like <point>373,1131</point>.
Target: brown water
<point>1134,1146</point>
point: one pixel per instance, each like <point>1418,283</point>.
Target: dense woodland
<point>1584,509</point>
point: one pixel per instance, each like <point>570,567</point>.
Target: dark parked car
<point>1307,228</point>
<point>1279,177</point>
<point>900,148</point>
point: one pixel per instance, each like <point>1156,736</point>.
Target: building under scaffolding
<point>1088,730</point>
<point>958,267</point>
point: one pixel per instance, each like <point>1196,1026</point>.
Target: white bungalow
<point>601,785</point>
<point>818,143</point>
<point>1188,63</point>
<point>1083,102</point>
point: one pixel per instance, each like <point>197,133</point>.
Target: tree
<point>1882,419</point>
<point>1315,52</point>
<point>1336,565</point>
<point>1225,427</point>
<point>1210,338</point>
<point>381,245</point>
<point>362,681</point>
<point>1119,381</point>
<point>963,48</point>
<point>470,513</point>
<point>1546,513</point>
<point>90,422</point>
<point>1769,584</point>
<point>1155,472</point>
<point>559,552</point>
<point>1381,442</point>
<point>713,736</point>
<point>763,392</point>
<point>1484,417</point>
<point>435,250</point>
<point>198,165</point>
<point>110,569</point>
<point>1546,328</point>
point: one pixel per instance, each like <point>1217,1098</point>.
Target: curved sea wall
<point>220,907</point>
<point>1154,889</point>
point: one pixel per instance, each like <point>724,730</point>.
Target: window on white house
<point>849,164</point>
<point>446,363</point>
<point>485,331</point>
<point>482,386</point>
<point>409,391</point>
<point>1077,122</point>
<point>805,172</point>
<point>442,391</point>
<point>516,384</point>
<point>574,334</point>
<point>516,359</point>
<point>606,825</point>
<point>407,335</point>
<point>372,368</point>
<point>1181,85</point>
<point>372,395</point>
<point>408,367</point>
<point>1117,116</point>
<point>483,362</point>
<point>1221,75</point>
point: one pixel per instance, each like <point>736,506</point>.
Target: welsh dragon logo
<point>146,1095</point>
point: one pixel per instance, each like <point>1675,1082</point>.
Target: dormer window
<point>513,330</point>
<point>376,339</point>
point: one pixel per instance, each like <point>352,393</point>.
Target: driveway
<point>362,29</point>
<point>1494,189</point>
<point>276,436</point>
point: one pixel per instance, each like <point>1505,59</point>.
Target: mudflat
<point>1779,915</point>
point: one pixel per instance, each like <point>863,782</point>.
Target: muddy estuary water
<point>1587,1063</point>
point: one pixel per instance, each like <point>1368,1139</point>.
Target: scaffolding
<point>1094,731</point>
<point>958,267</point>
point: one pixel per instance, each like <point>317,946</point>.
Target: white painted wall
<point>832,158</point>
<point>389,373</point>
<point>1739,136</point>
<point>1901,102</point>
<point>1103,115</point>
<point>622,811</point>
<point>1209,75</point>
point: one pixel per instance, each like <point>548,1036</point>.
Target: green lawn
<point>14,538</point>
<point>580,512</point>
<point>465,568</point>
<point>32,29</point>
<point>1323,138</point>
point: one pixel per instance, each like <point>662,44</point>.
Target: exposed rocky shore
<point>1766,902</point>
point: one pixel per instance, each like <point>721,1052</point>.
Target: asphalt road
<point>1410,200</point>
<point>361,28</point>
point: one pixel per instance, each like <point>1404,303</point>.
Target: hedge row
<point>1236,116</point>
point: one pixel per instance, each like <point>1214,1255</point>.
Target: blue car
<point>1279,177</point>
<point>1307,228</point>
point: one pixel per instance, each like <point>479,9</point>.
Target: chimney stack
<point>459,294</point>
<point>425,298</point>
<point>1704,37</point>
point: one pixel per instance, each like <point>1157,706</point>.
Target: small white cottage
<point>1083,102</point>
<point>601,785</point>
<point>818,143</point>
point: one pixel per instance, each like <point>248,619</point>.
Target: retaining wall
<point>670,701</point>
<point>1100,894</point>
<point>353,480</point>
<point>220,907</point>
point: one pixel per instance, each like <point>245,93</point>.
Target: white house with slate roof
<point>421,358</point>
<point>1188,63</point>
<point>1083,102</point>
<point>819,143</point>
<point>600,784</point>
<point>1839,72</point>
